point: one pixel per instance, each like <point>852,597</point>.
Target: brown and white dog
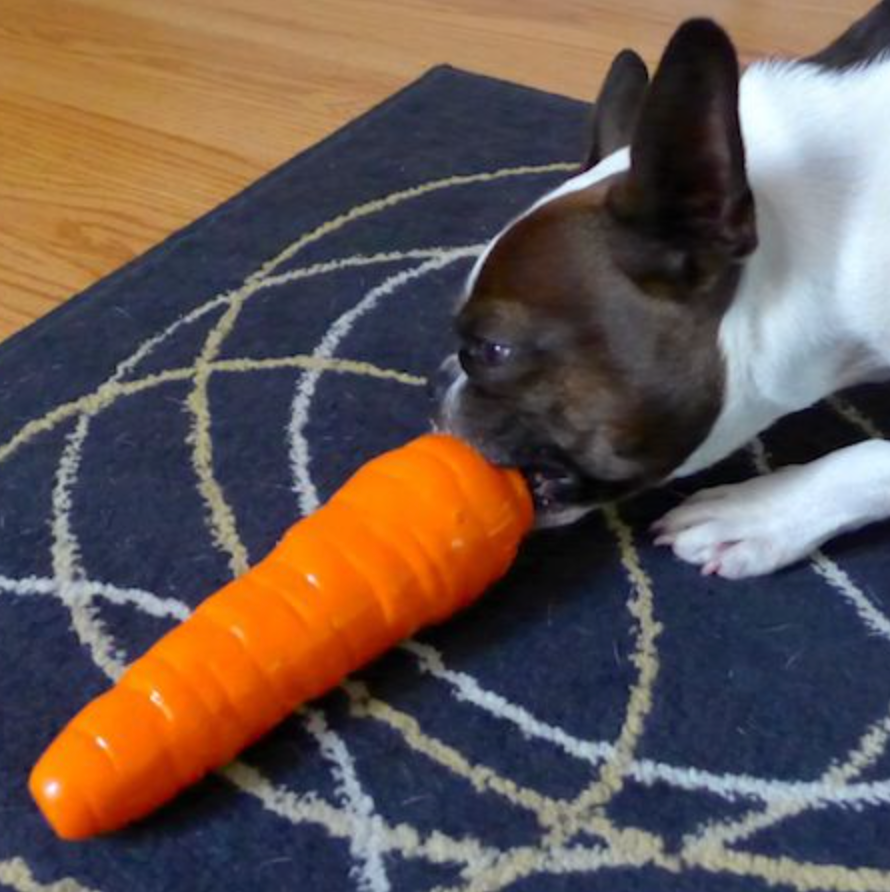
<point>722,260</point>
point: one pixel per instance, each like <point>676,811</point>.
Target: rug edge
<point>516,85</point>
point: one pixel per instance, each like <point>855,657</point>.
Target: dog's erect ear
<point>617,110</point>
<point>687,183</point>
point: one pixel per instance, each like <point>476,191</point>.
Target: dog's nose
<point>443,378</point>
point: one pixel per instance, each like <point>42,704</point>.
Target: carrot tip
<point>68,817</point>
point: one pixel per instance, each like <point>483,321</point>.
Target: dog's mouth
<point>560,490</point>
<point>554,484</point>
<point>563,492</point>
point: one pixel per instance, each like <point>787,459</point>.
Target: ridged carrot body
<point>412,537</point>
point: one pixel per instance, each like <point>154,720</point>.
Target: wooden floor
<point>121,120</point>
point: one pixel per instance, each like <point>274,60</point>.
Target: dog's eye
<point>480,353</point>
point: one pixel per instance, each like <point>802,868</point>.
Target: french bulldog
<point>722,259</point>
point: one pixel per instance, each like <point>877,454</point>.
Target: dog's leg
<point>752,528</point>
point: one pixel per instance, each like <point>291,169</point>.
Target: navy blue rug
<point>605,720</point>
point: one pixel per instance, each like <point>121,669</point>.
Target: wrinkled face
<point>578,364</point>
<point>590,354</point>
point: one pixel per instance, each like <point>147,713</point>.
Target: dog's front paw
<point>746,529</point>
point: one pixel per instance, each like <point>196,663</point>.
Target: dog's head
<point>590,355</point>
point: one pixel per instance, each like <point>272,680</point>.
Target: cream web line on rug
<point>367,845</point>
<point>15,873</point>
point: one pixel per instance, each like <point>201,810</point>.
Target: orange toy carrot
<point>414,536</point>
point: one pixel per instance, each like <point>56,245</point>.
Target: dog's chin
<point>556,516</point>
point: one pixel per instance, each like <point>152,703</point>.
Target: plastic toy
<point>415,535</point>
